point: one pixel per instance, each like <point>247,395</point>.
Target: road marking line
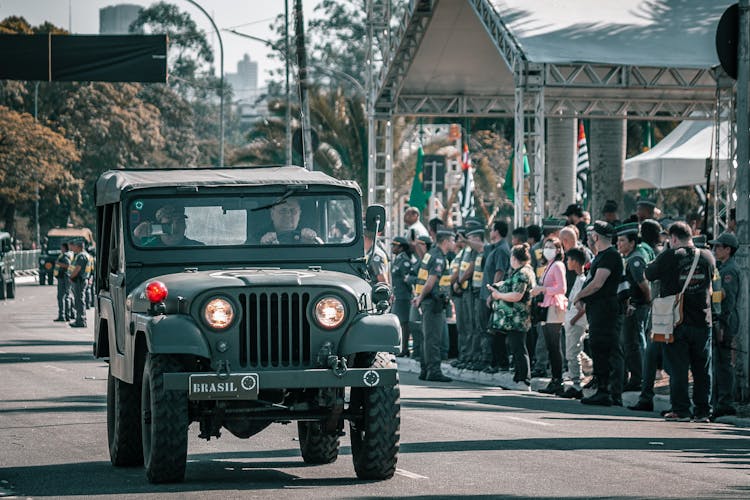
<point>410,475</point>
<point>526,420</point>
<point>55,368</point>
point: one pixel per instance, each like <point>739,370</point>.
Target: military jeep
<point>224,298</point>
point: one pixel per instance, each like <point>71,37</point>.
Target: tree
<point>32,155</point>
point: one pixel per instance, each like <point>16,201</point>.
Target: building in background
<point>245,87</point>
<point>116,19</point>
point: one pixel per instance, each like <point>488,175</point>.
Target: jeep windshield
<point>243,220</point>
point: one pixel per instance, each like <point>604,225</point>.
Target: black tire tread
<point>375,447</point>
<point>166,460</point>
<point>317,446</point>
<point>124,422</point>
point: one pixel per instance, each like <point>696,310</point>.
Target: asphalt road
<point>457,440</point>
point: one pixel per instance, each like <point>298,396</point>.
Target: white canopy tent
<point>680,158</point>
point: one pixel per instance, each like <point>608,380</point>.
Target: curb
<point>504,380</point>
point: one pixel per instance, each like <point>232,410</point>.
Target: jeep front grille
<point>275,331</point>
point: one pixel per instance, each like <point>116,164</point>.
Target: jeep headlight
<point>330,312</point>
<point>218,313</point>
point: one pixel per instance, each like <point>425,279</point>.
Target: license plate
<point>235,386</point>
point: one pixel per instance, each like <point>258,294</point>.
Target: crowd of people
<point>74,271</point>
<point>552,300</point>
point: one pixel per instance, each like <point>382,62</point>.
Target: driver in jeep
<point>285,218</point>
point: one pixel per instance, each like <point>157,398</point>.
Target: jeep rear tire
<point>164,422</point>
<point>317,446</point>
<point>11,289</point>
<point>375,434</point>
<point>124,422</point>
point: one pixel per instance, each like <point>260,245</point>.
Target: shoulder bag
<point>666,312</point>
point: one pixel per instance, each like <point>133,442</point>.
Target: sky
<point>247,16</point>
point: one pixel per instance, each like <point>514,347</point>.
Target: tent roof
<point>658,33</point>
<point>651,59</point>
<point>679,159</point>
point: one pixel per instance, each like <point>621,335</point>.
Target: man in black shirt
<point>690,349</point>
<point>602,308</point>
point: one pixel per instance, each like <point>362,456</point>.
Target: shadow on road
<point>44,343</point>
<point>46,357</point>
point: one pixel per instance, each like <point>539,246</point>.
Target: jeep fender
<point>176,334</point>
<point>372,333</point>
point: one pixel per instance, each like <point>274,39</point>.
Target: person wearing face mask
<point>602,307</point>
<point>511,311</point>
<point>553,287</point>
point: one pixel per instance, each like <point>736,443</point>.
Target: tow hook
<point>338,365</point>
<point>223,369</point>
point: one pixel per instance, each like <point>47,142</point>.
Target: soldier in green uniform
<point>432,289</point>
<point>469,295</point>
<point>79,275</point>
<point>726,325</point>
<point>638,304</point>
<point>64,302</point>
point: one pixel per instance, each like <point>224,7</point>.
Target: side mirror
<point>375,218</point>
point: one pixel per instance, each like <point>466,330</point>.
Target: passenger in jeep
<point>167,231</point>
<point>285,218</point>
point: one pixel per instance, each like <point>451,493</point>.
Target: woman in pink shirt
<point>553,286</point>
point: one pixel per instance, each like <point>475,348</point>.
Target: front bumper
<point>300,379</point>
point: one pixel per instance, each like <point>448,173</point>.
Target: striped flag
<point>582,167</point>
<point>466,194</point>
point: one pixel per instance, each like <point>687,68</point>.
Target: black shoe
<point>77,325</point>
<point>642,406</point>
<point>591,384</point>
<point>571,393</point>
<point>422,375</point>
<point>598,399</point>
<point>439,377</point>
<point>632,387</point>
<point>59,319</point>
<point>555,386</point>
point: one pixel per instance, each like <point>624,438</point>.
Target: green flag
<point>508,186</point>
<point>418,197</point>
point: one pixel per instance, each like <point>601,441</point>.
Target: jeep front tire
<point>164,422</point>
<point>375,433</point>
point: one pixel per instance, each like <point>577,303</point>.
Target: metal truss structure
<point>571,90</point>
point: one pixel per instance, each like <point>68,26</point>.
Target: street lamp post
<point>221,84</point>
<point>36,190</point>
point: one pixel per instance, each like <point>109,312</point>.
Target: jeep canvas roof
<point>113,183</point>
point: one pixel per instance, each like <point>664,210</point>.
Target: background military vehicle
<point>50,251</point>
<point>7,267</point>
<point>222,300</point>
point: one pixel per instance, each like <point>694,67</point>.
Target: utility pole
<point>36,189</point>
<point>743,194</point>
<point>288,117</point>
<point>299,29</point>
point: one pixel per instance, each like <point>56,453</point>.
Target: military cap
<point>610,206</point>
<point>629,228</point>
<point>476,232</point>
<point>400,240</point>
<point>646,202</point>
<point>171,212</point>
<point>700,241</point>
<point>76,240</point>
<point>574,209</point>
<point>726,239</point>
<point>444,231</point>
<point>426,240</point>
<point>470,224</point>
<point>604,228</point>
<point>553,223</point>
